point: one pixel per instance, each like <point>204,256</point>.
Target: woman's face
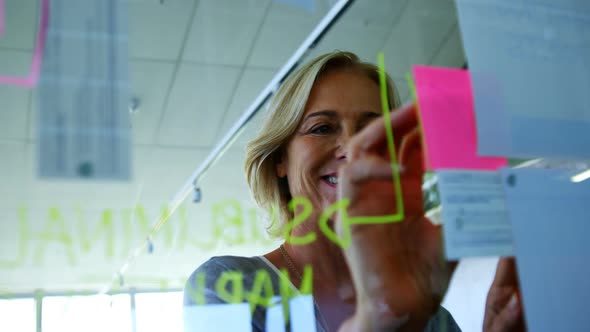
<point>341,103</point>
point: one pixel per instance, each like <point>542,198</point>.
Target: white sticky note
<point>275,320</point>
<point>302,313</point>
<point>551,224</point>
<point>474,216</point>
<point>83,123</point>
<point>468,291</point>
<point>218,317</point>
<point>530,70</point>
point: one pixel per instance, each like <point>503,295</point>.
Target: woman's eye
<point>321,129</point>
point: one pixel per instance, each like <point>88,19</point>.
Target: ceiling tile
<point>33,109</point>
<point>157,31</point>
<point>419,34</point>
<point>15,62</point>
<point>223,31</point>
<point>251,84</point>
<point>363,28</point>
<point>452,53</point>
<point>158,173</point>
<point>13,171</point>
<point>14,112</point>
<point>300,8</point>
<point>20,24</point>
<point>93,193</point>
<point>227,178</point>
<point>354,36</point>
<point>198,100</point>
<point>375,12</point>
<point>165,170</point>
<point>149,83</point>
<point>283,31</point>
<point>250,130</point>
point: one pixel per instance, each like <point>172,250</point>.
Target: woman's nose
<point>343,144</point>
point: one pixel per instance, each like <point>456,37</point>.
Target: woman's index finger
<point>505,273</point>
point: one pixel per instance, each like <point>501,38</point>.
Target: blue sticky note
<point>551,225</point>
<point>530,69</point>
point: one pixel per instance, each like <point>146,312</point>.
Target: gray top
<point>442,321</point>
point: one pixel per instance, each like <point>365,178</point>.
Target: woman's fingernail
<point>513,303</point>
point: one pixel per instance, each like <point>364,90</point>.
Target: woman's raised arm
<point>398,267</point>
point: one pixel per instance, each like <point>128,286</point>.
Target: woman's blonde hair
<point>285,112</point>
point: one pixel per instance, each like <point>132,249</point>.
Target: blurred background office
<point>93,250</point>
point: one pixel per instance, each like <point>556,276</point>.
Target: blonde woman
<point>322,143</point>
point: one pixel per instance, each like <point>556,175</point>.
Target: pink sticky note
<point>447,117</point>
<point>32,78</point>
<point>1,17</point>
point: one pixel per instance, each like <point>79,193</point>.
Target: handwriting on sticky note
<point>474,214</point>
<point>32,78</point>
<point>447,117</point>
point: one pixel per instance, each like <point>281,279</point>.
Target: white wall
<point>468,290</point>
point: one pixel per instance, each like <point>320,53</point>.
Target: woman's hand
<point>503,311</point>
<point>398,268</point>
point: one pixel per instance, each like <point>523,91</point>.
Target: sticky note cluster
<point>473,210</point>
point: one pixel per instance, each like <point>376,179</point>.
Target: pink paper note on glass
<point>1,17</point>
<point>447,116</point>
<point>32,78</point>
